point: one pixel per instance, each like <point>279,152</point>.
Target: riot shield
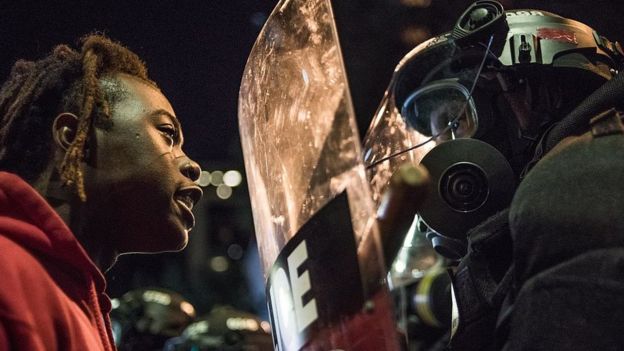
<point>312,208</point>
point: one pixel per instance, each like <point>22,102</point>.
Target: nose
<point>190,169</point>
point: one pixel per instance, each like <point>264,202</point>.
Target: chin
<point>172,239</point>
<point>173,242</point>
<point>181,245</point>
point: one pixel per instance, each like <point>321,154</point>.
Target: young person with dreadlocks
<point>91,167</point>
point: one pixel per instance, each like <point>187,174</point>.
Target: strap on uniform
<point>607,123</point>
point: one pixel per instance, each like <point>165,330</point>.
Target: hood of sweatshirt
<point>27,219</point>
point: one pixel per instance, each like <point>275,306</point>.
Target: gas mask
<point>472,104</point>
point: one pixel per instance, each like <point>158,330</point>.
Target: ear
<point>64,129</point>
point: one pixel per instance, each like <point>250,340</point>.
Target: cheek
<point>134,173</point>
<point>144,200</point>
<point>130,153</point>
<point>137,189</point>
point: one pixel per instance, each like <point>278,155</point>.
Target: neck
<point>75,214</point>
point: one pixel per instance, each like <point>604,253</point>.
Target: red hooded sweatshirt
<point>51,293</point>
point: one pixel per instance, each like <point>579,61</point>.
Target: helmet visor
<point>428,102</point>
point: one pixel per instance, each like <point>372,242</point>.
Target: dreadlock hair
<point>65,81</point>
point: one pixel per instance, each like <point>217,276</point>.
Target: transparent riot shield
<point>312,208</point>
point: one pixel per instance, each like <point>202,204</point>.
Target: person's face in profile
<point>139,183</point>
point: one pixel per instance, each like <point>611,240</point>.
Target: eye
<point>170,132</point>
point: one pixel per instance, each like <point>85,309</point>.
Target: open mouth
<point>186,201</point>
<point>186,198</point>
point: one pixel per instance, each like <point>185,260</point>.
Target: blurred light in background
<point>416,3</point>
<point>413,35</point>
<point>238,323</point>
<point>224,192</point>
<point>235,252</point>
<point>224,182</point>
<point>157,296</point>
<point>232,178</point>
<point>216,178</point>
<point>187,307</point>
<point>204,179</point>
<point>266,326</point>
<point>219,264</point>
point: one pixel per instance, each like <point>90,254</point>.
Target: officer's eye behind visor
<point>438,105</point>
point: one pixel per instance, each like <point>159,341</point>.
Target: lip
<point>186,198</point>
<point>187,214</point>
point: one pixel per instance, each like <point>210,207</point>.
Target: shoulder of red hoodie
<point>51,293</point>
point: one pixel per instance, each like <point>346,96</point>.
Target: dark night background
<point>196,52</point>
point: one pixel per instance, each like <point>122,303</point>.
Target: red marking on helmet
<point>562,35</point>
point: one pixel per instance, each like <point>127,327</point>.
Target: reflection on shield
<point>302,152</point>
<point>297,126</point>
